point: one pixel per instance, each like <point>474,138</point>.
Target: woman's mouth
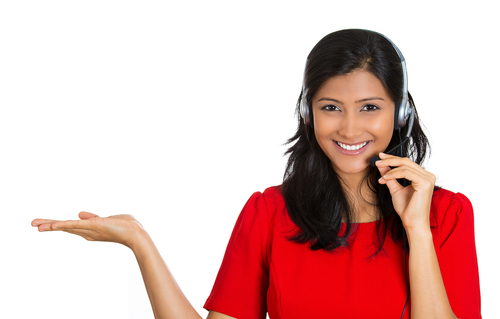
<point>351,149</point>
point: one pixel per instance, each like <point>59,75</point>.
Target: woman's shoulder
<point>271,196</point>
<point>443,198</point>
<point>448,206</point>
<point>265,204</point>
<point>273,192</point>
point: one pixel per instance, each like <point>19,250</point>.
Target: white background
<point>176,113</point>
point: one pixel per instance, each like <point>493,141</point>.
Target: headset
<point>404,113</point>
<point>403,109</point>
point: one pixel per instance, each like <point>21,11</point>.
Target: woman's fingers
<point>412,202</point>
<point>51,224</point>
<point>37,222</point>
<point>121,229</point>
<point>60,225</point>
<point>395,161</point>
<point>71,224</point>
<point>383,169</point>
<point>421,179</point>
<point>401,172</point>
<point>404,168</point>
<point>43,224</point>
<point>86,215</point>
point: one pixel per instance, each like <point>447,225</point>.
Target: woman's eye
<point>370,107</point>
<point>330,107</point>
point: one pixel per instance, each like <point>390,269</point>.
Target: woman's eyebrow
<point>329,99</point>
<point>358,101</point>
<point>370,98</point>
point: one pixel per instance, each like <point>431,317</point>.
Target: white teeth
<point>351,147</point>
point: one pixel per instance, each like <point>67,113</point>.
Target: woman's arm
<point>167,299</point>
<point>428,294</point>
<point>413,203</point>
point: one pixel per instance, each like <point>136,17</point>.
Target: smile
<point>353,147</point>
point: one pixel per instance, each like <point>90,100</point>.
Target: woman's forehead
<point>357,85</point>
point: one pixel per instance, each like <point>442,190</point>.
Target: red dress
<point>263,271</point>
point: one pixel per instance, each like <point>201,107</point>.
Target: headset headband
<point>403,108</point>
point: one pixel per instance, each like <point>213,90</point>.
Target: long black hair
<point>313,192</point>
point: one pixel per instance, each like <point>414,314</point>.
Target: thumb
<point>86,215</point>
<point>393,185</point>
<point>383,170</point>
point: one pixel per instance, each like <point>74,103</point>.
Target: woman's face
<point>353,120</point>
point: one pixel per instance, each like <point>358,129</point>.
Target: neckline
<point>365,223</point>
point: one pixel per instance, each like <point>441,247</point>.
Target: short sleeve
<point>241,285</point>
<point>456,251</point>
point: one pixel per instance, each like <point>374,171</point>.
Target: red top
<point>263,271</point>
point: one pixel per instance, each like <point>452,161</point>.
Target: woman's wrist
<point>418,234</point>
<point>139,237</point>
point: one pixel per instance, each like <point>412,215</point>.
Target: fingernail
<point>382,154</point>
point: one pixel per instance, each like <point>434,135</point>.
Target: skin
<point>350,109</point>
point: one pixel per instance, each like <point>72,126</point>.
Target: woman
<point>334,239</point>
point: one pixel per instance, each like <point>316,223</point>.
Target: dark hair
<point>313,193</point>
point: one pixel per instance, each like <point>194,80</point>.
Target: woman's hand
<point>412,202</point>
<point>122,229</point>
<point>167,299</point>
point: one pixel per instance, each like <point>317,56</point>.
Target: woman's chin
<point>352,170</point>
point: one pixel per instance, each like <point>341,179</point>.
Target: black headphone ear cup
<point>401,114</point>
<point>304,109</point>
<point>307,116</point>
<point>397,117</point>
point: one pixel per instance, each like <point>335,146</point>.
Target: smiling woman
<point>335,238</point>
<point>353,121</point>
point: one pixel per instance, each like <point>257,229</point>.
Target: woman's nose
<point>350,127</point>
